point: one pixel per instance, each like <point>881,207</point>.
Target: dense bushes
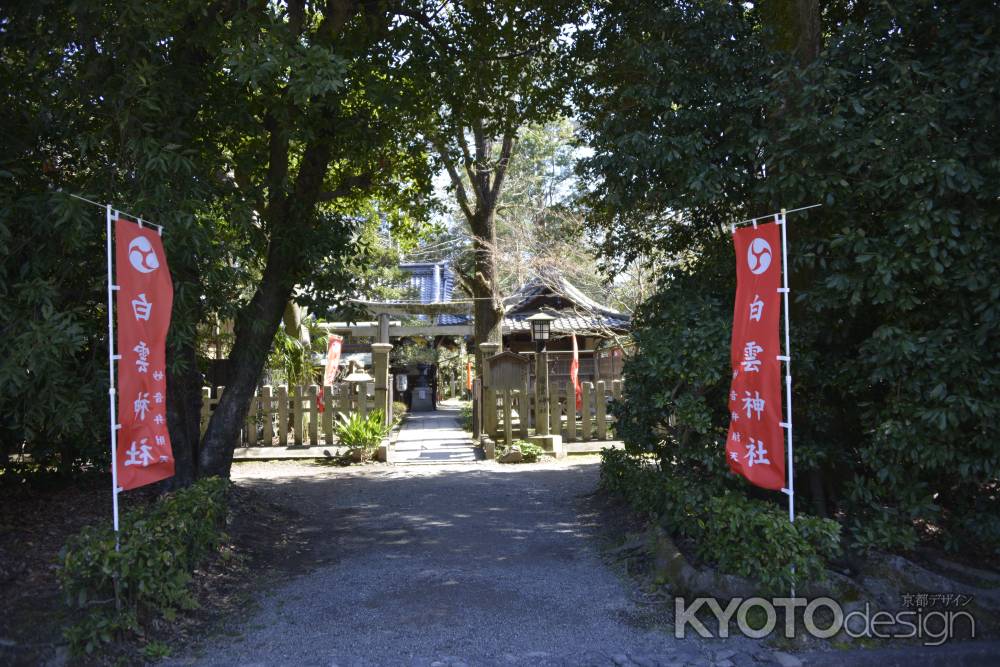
<point>750,538</point>
<point>893,126</point>
<point>121,594</point>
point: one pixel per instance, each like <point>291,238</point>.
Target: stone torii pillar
<point>380,371</point>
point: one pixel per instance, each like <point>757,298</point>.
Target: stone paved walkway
<point>434,437</point>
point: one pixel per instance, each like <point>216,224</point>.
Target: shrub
<point>750,538</point>
<point>118,594</point>
<point>465,415</point>
<point>399,410</point>
<point>895,324</point>
<point>529,450</point>
<point>362,432</point>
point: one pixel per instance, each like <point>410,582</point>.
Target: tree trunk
<point>255,328</point>
<point>487,309</point>
<point>288,216</point>
<point>183,411</point>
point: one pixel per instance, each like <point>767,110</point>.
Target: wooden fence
<point>284,417</point>
<point>514,414</point>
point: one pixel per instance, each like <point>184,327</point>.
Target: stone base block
<point>553,444</point>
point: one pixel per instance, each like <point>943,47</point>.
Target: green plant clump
<point>741,536</point>
<point>116,595</point>
<point>529,450</point>
<point>465,415</point>
<point>362,432</point>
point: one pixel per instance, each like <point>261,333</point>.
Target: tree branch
<point>347,185</point>
<point>506,149</point>
<point>468,161</point>
<point>449,165</point>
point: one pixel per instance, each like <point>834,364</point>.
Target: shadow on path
<point>479,564</point>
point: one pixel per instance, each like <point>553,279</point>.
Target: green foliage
<point>741,536</point>
<point>465,415</point>
<point>399,410</point>
<point>119,594</point>
<point>895,323</point>
<point>529,450</point>
<point>212,120</point>
<point>362,432</point>
<point>414,351</point>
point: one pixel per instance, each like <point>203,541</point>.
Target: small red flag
<point>333,347</point>
<point>145,299</point>
<point>755,445</point>
<point>574,375</point>
<point>468,375</point>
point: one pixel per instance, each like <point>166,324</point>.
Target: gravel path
<point>476,564</point>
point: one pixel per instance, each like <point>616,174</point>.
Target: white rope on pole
<point>753,221</point>
<point>112,407</point>
<point>140,221</point>
<point>780,220</point>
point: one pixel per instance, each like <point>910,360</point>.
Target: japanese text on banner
<point>145,299</point>
<point>755,444</point>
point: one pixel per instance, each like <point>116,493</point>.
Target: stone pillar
<point>380,370</point>
<point>489,402</point>
<point>383,328</point>
<point>542,393</point>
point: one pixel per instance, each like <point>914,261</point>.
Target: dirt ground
<point>36,521</point>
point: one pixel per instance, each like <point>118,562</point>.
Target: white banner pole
<point>112,406</point>
<point>787,358</point>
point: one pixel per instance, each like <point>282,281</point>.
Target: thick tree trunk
<point>183,411</point>
<point>795,27</point>
<point>255,328</point>
<point>288,217</point>
<point>487,310</point>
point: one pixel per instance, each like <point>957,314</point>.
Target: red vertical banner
<point>145,299</point>
<point>468,375</point>
<point>755,445</point>
<point>333,347</point>
<point>574,375</point>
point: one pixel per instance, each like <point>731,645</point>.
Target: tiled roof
<point>574,311</point>
<point>566,322</point>
<point>434,282</point>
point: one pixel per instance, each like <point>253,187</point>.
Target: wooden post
<point>570,432</point>
<point>206,408</point>
<point>616,389</point>
<point>328,407</point>
<point>555,414</point>
<point>297,414</point>
<point>507,426</point>
<point>345,398</point>
<point>362,398</point>
<point>313,415</point>
<point>251,424</point>
<point>267,406</point>
<point>380,369</point>
<point>602,418</point>
<point>525,407</point>
<point>586,392</point>
<point>283,415</point>
<point>489,402</point>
